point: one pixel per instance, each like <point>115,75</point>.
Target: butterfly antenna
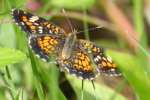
<point>94,89</point>
<point>90,29</point>
<point>68,21</point>
<point>82,91</point>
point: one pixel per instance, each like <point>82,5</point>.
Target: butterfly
<point>80,57</point>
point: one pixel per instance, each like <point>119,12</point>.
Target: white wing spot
<point>22,23</point>
<point>33,18</point>
<point>36,24</point>
<point>99,57</point>
<point>109,59</point>
<point>104,58</point>
<point>112,69</point>
<point>50,31</point>
<point>96,59</point>
<point>40,29</point>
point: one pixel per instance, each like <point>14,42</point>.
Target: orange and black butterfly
<point>77,56</point>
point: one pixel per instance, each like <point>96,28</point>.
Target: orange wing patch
<point>82,62</point>
<point>78,64</point>
<point>47,44</point>
<point>106,62</point>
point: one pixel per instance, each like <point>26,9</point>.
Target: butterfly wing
<point>78,64</point>
<point>104,64</point>
<point>44,45</point>
<point>34,24</point>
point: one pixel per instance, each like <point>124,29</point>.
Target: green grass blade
<point>37,82</point>
<point>19,95</point>
<point>102,92</point>
<point>50,78</point>
<point>139,21</point>
<point>134,71</point>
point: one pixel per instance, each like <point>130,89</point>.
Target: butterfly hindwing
<point>78,64</point>
<point>104,64</point>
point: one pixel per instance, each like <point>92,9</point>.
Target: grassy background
<point>125,36</point>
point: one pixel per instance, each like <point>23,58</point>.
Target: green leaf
<point>101,92</point>
<point>73,4</point>
<point>10,56</point>
<point>7,36</point>
<point>134,70</point>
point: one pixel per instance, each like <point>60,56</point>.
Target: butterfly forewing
<point>34,24</point>
<point>44,45</point>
